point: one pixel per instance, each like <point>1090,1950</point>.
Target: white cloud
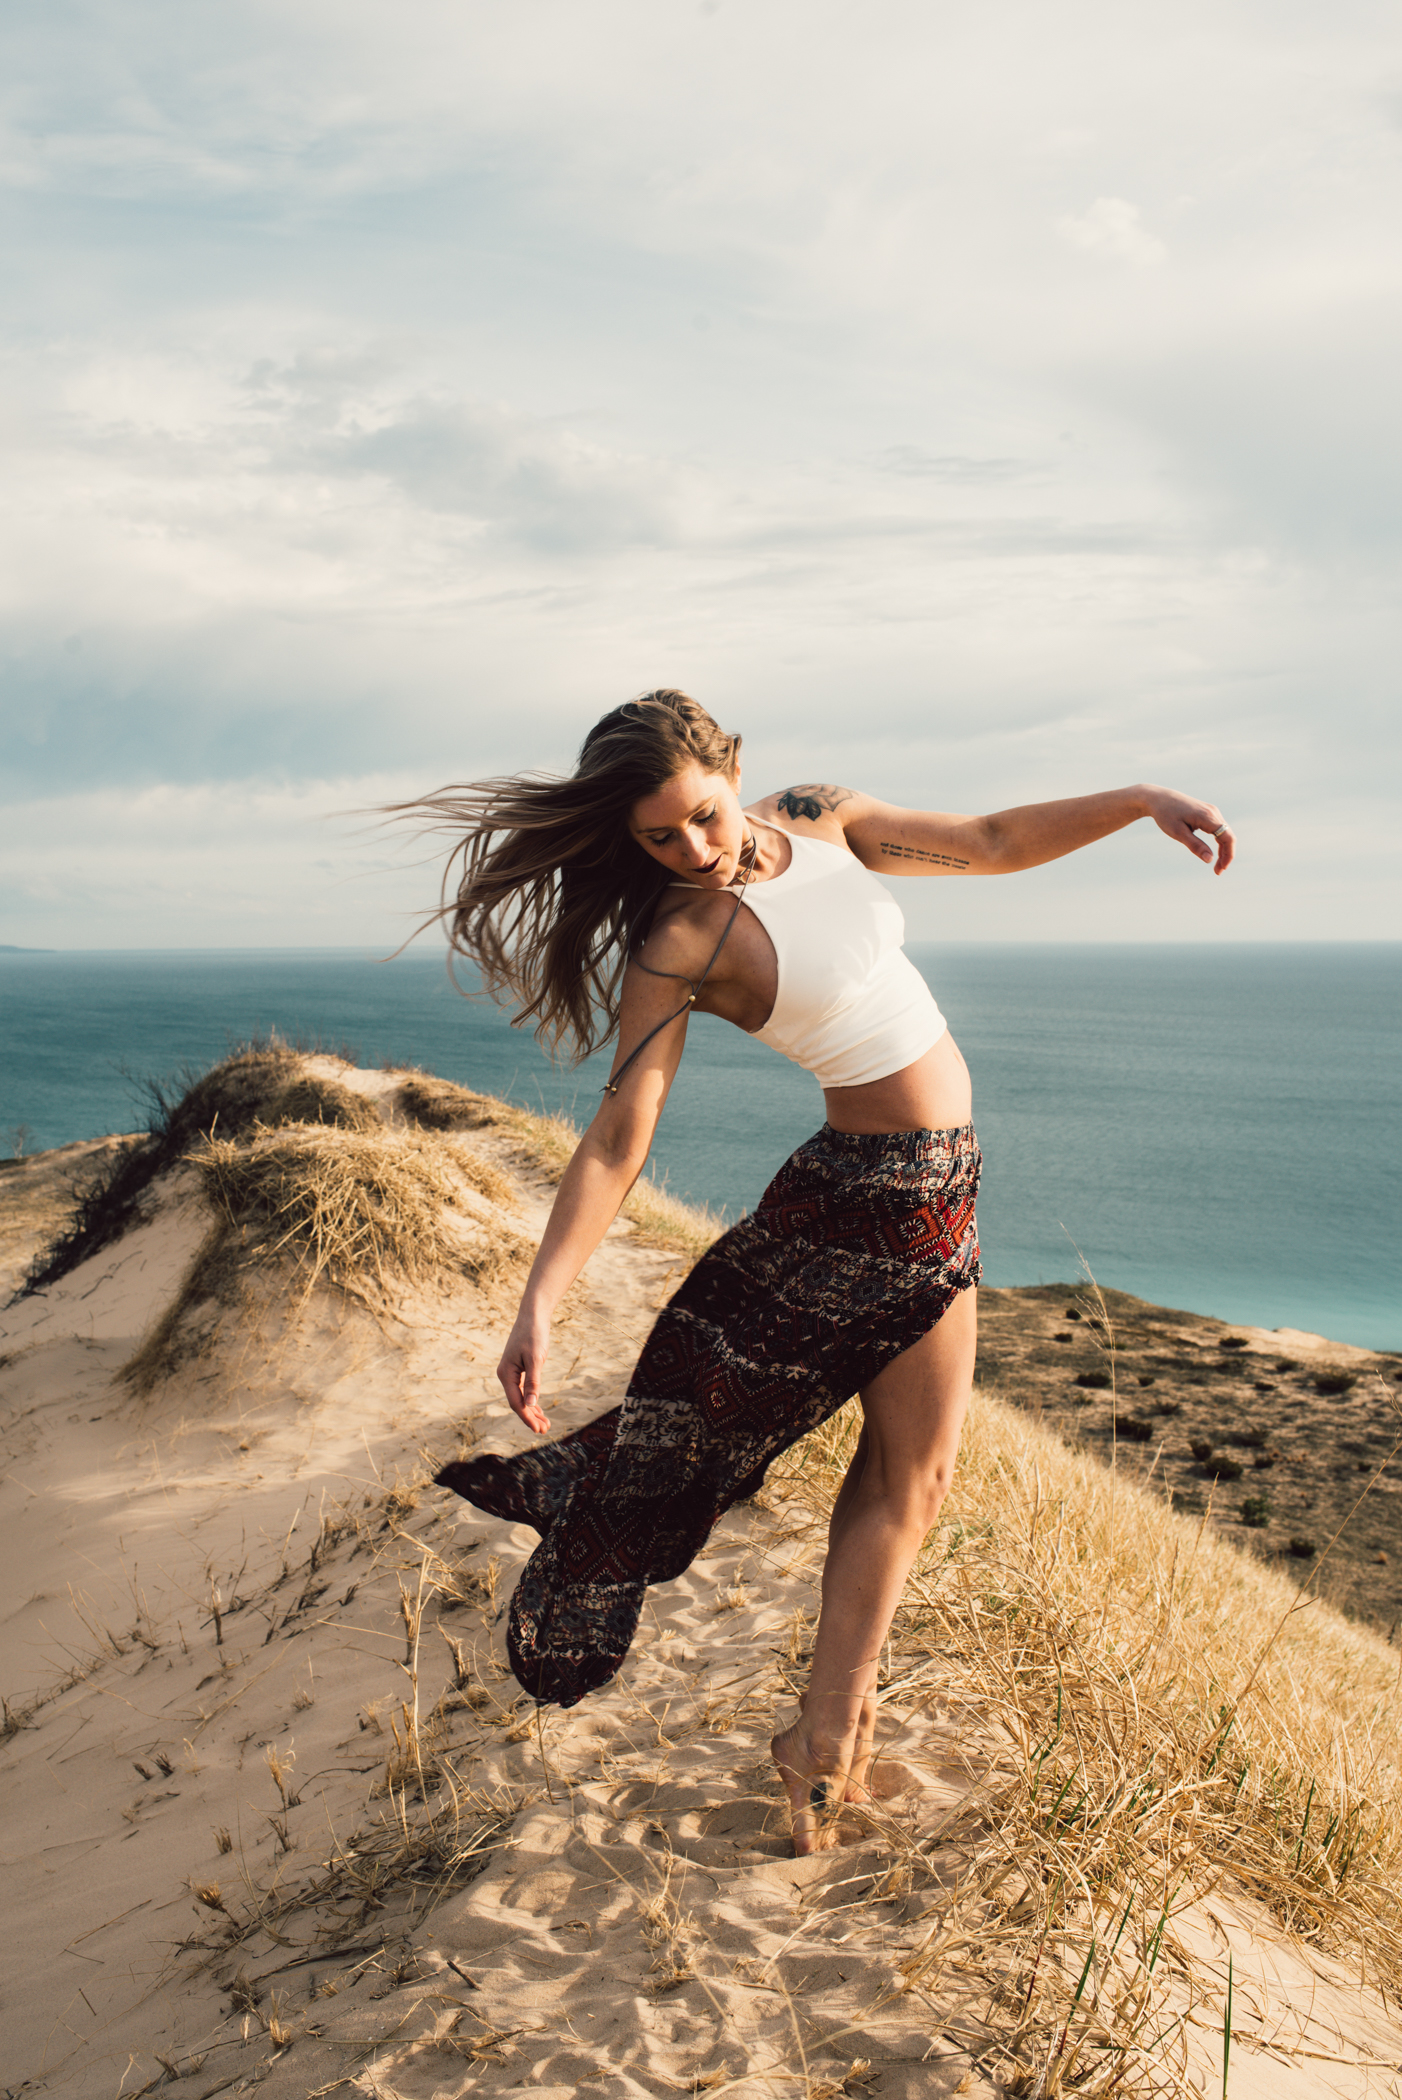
<point>1112,226</point>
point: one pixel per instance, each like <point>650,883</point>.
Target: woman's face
<point>694,826</point>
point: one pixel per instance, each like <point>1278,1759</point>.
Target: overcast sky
<point>972,404</point>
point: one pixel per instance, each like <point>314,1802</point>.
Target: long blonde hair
<point>546,890</point>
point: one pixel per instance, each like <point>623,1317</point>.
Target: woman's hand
<point>1183,817</point>
<point>522,1365</point>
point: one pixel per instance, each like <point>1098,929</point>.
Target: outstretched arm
<point>895,841</point>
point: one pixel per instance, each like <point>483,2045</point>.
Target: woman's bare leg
<point>914,1411</point>
<point>856,1789</point>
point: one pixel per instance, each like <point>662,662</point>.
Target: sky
<point>974,405</point>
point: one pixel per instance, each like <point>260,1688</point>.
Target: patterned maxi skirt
<point>856,1250</point>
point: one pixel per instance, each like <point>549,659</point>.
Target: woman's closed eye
<point>660,838</point>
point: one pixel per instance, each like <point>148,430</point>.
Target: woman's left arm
<point>894,841</point>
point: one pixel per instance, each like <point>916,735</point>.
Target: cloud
<point>540,483</point>
<point>1113,227</point>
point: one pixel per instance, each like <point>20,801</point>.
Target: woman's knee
<point>914,1496</point>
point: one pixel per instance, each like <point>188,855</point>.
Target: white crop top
<point>851,1006</point>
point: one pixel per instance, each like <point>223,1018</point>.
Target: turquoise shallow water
<point>1216,1128</point>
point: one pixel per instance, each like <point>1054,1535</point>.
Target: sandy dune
<point>277,1816</point>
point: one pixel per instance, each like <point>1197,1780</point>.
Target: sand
<point>276,1815</point>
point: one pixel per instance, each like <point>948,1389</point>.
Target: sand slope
<point>276,1815</point>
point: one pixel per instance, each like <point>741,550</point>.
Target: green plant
<point>1255,1512</point>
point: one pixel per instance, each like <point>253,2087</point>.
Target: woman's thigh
<point>914,1409</point>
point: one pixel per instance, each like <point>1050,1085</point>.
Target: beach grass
<point>1170,1719</point>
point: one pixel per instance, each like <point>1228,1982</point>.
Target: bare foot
<point>857,1788</point>
<point>817,1787</point>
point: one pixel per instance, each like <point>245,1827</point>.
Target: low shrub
<point>1131,1430</point>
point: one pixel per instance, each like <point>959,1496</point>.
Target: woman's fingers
<point>1225,841</point>
<point>519,1372</point>
<point>1200,826</point>
<point>1217,842</point>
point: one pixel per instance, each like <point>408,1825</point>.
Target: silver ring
<point>1215,831</point>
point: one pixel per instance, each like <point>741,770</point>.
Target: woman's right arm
<point>609,1159</point>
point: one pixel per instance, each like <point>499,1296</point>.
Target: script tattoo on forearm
<point>811,799</point>
<point>932,860</point>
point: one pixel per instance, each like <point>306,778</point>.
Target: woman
<point>609,905</point>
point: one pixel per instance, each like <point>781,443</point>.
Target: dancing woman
<point>608,906</point>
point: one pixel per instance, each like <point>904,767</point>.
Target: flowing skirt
<point>858,1247</point>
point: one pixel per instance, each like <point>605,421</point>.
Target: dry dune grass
<point>363,1209</point>
<point>548,1143</point>
<point>1174,1720</point>
<point>309,1186</point>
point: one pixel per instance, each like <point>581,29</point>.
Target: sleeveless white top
<point>851,1006</point>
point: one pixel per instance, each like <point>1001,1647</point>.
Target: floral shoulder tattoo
<point>812,799</point>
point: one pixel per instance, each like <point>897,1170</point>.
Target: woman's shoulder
<point>811,809</point>
<point>686,922</point>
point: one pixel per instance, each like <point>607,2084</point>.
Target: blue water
<point>1217,1128</point>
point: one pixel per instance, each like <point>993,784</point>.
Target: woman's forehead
<point>683,795</point>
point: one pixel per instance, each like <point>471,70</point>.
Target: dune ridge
<point>278,1817</point>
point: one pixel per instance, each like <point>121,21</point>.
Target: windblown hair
<point>547,891</point>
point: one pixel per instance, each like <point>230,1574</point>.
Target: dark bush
<point>1146,1378</point>
<point>1233,1341</point>
<point>1132,1431</point>
<point>1093,1381</point>
<point>1335,1383</point>
<point>1303,1549</point>
<point>1200,1449</point>
<point>1255,1512</point>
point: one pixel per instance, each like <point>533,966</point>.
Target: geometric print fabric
<point>857,1248</point>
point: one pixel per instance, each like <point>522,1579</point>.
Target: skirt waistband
<point>873,1145</point>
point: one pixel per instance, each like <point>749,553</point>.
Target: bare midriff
<point>932,1094</point>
